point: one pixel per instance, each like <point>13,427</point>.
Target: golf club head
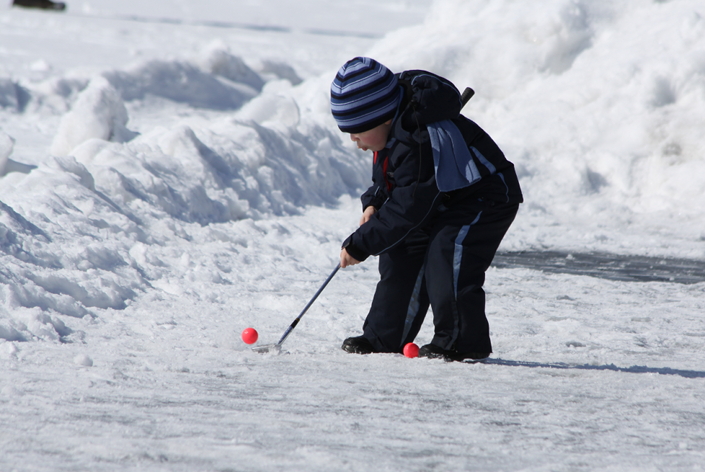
<point>275,348</point>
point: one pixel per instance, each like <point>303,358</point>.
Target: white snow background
<point>171,176</point>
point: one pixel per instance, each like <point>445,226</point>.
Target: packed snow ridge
<point>75,229</point>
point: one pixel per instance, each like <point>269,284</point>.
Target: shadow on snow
<point>606,266</point>
<point>635,369</point>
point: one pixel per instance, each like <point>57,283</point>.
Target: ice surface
<point>171,174</point>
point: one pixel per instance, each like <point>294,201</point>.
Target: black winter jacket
<point>404,189</point>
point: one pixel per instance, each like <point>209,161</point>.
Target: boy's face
<point>374,139</point>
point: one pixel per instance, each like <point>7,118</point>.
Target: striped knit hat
<point>364,95</point>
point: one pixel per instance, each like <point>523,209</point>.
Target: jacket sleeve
<point>413,198</point>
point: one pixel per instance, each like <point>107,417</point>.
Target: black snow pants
<point>442,265</point>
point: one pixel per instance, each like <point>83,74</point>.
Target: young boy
<point>442,198</point>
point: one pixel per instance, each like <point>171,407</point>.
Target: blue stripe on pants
<point>458,253</point>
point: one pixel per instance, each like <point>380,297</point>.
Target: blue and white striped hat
<point>364,95</point>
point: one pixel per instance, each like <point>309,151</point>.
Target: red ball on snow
<point>249,335</point>
<point>411,350</point>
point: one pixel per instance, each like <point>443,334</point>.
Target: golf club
<point>277,346</point>
<point>466,96</point>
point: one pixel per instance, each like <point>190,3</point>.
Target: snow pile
<point>12,95</point>
<point>106,234</point>
<point>98,113</point>
<point>180,82</point>
<point>67,266</point>
<point>6,145</point>
<point>215,79</point>
<point>599,104</point>
<point>219,61</point>
<point>79,232</point>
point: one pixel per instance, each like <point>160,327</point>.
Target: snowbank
<point>97,113</point>
<point>79,231</point>
<point>218,60</point>
<point>180,82</point>
<point>6,145</point>
<point>12,95</point>
<point>600,105</point>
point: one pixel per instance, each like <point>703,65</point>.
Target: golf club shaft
<point>296,321</point>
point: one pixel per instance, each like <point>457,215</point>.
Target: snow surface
<point>171,175</point>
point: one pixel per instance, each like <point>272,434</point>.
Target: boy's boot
<point>358,345</point>
<point>434,352</point>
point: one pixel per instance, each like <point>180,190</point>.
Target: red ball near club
<point>249,335</point>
